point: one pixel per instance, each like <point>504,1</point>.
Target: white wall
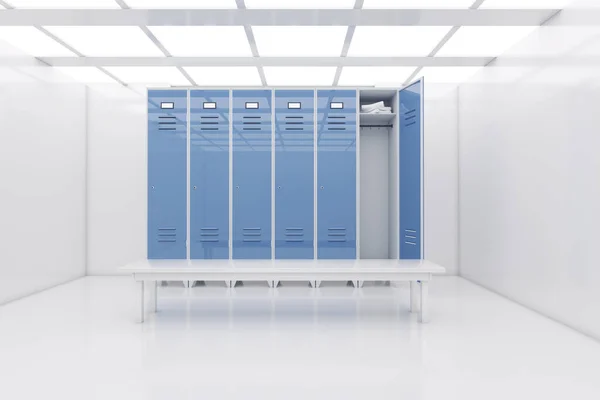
<point>441,176</point>
<point>117,176</point>
<point>117,211</point>
<point>530,177</point>
<point>42,177</point>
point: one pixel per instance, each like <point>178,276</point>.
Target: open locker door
<point>411,171</point>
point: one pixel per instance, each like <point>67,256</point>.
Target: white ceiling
<point>267,41</point>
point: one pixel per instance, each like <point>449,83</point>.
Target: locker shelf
<point>377,119</point>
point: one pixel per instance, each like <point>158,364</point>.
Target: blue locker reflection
<point>294,174</point>
<point>167,174</point>
<point>410,171</point>
<point>209,174</point>
<point>336,174</point>
<point>252,174</point>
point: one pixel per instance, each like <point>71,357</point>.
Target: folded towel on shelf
<point>376,108</point>
<point>384,110</point>
<point>371,107</point>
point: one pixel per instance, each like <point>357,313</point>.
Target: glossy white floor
<point>80,341</point>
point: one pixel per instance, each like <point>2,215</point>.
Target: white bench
<point>418,272</point>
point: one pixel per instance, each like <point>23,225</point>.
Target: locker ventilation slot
<point>166,124</point>
<point>167,235</point>
<point>249,123</point>
<point>209,235</point>
<point>334,123</point>
<point>252,234</point>
<point>410,237</point>
<point>409,117</point>
<point>336,234</point>
<point>294,235</point>
<point>214,123</point>
<point>294,120</point>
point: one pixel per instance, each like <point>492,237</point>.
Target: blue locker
<point>411,136</point>
<point>209,174</point>
<point>252,134</point>
<point>336,174</point>
<point>167,174</point>
<point>294,174</point>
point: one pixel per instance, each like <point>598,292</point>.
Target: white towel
<point>384,110</point>
<point>370,107</point>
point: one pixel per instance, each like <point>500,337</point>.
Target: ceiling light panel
<point>33,42</point>
<point>299,41</point>
<point>210,41</point>
<point>417,4</point>
<point>64,3</point>
<point>85,74</point>
<point>207,4</point>
<point>107,41</point>
<point>300,76</point>
<point>448,74</point>
<point>298,4</point>
<point>390,41</point>
<point>225,76</point>
<point>375,76</point>
<point>526,4</point>
<point>484,41</point>
<point>152,76</point>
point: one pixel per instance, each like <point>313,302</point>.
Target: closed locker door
<point>209,174</point>
<point>167,174</point>
<point>294,174</point>
<point>252,131</point>
<point>411,164</point>
<point>336,174</point>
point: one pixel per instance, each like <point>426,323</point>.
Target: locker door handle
<point>322,187</point>
<point>278,187</point>
<point>195,187</point>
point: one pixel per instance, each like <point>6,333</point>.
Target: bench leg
<point>414,296</point>
<point>142,300</point>
<point>273,284</point>
<point>317,284</point>
<point>230,284</point>
<point>358,284</point>
<point>424,315</point>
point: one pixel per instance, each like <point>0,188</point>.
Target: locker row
<point>266,173</point>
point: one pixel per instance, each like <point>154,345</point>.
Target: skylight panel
<point>390,41</point>
<point>418,4</point>
<point>299,41</point>
<point>207,41</point>
<point>526,4</point>
<point>181,4</point>
<point>33,42</point>
<point>107,41</point>
<point>64,3</point>
<point>306,4</point>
